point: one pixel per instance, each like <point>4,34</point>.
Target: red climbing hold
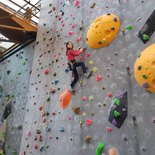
<point>98,78</point>
<point>109,95</point>
<point>64,99</point>
<point>89,122</point>
<point>108,129</point>
<point>46,72</point>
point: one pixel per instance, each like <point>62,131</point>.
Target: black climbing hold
<point>148,28</point>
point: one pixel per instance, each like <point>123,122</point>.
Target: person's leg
<point>77,64</point>
<point>76,78</point>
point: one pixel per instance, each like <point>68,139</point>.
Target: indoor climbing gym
<point>77,77</point>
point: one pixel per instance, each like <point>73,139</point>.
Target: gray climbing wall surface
<point>14,79</point>
<point>50,130</point>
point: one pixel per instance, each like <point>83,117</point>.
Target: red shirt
<point>71,54</point>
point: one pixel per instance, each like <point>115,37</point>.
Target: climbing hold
<point>125,137</point>
<point>36,146</point>
<point>91,98</point>
<point>95,69</point>
<point>70,33</point>
<point>91,62</point>
<point>87,139</point>
<point>76,110</point>
<point>109,95</point>
<point>148,28</point>
<point>129,27</point>
<point>79,39</point>
<point>73,26</point>
<point>76,3</point>
<point>42,148</point>
<point>112,151</point>
<point>87,55</point>
<point>116,101</point>
<point>108,129</point>
<point>144,69</point>
<point>100,148</point>
<point>69,117</point>
<point>84,98</point>
<point>93,5</point>
<point>48,99</point>
<point>62,129</point>
<point>46,72</point>
<point>98,78</point>
<point>118,113</point>
<point>64,99</point>
<point>145,37</point>
<point>38,131</point>
<point>24,62</point>
<point>88,122</point>
<point>100,33</point>
<point>14,151</point>
<point>52,90</point>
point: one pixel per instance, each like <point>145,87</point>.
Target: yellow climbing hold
<point>144,69</point>
<point>95,69</point>
<point>91,62</point>
<point>103,30</point>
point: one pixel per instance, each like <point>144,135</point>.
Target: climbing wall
<point>14,79</point>
<point>50,130</point>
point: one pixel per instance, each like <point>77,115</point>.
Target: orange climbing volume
<point>103,30</point>
<point>64,99</point>
<point>144,69</point>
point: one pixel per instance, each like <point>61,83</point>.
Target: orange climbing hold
<point>64,99</point>
<point>112,151</point>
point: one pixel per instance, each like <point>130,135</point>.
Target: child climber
<point>71,54</point>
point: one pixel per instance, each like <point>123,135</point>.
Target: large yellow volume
<point>103,30</point>
<point>144,69</point>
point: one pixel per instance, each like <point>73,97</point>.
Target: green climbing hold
<point>129,27</point>
<point>38,131</point>
<point>116,101</point>
<point>116,113</point>
<point>48,99</point>
<point>23,62</point>
<point>12,95</point>
<point>144,76</point>
<point>99,148</point>
<point>145,37</point>
<point>14,151</point>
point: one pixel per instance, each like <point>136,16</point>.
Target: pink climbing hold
<point>87,55</point>
<point>28,134</point>
<point>108,129</point>
<point>63,24</point>
<point>98,78</point>
<point>69,117</point>
<point>46,72</point>
<point>76,3</point>
<point>109,95</point>
<point>84,98</point>
<point>36,146</point>
<point>70,33</point>
<point>73,26</point>
<point>79,39</point>
<point>89,122</point>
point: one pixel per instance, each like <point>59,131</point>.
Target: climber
<point>71,54</point>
